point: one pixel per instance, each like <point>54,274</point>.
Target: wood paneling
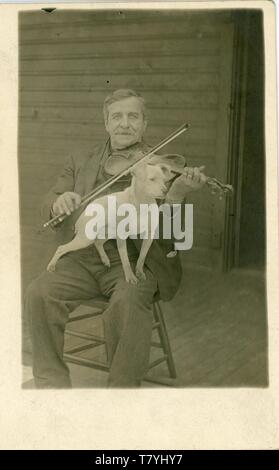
<point>170,99</point>
<point>67,19</point>
<point>70,61</point>
<point>98,65</point>
<point>63,31</point>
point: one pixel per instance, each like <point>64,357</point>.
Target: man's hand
<point>66,203</point>
<point>193,180</point>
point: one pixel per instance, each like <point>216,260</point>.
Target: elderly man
<point>81,275</point>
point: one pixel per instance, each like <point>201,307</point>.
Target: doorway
<point>245,235</point>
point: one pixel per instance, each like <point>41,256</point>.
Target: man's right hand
<point>66,203</point>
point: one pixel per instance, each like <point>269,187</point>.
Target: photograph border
<point>188,418</point>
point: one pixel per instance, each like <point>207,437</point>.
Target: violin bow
<point>95,192</point>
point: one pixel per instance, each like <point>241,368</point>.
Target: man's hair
<point>120,95</point>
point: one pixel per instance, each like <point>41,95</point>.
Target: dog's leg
<point>122,248</point>
<point>99,244</point>
<point>75,244</point>
<point>146,244</point>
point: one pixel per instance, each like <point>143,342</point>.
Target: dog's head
<point>152,180</point>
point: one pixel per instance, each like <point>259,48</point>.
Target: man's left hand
<point>193,180</point>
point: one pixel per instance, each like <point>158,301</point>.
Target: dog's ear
<point>171,160</point>
<point>166,170</point>
<point>171,164</point>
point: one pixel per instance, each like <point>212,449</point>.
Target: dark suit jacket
<point>79,175</point>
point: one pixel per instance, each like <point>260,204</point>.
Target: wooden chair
<point>92,309</point>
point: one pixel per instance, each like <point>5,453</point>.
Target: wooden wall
<point>69,61</point>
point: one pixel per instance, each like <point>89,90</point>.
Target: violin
<point>172,163</point>
<point>118,166</point>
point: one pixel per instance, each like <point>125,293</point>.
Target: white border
<point>129,419</point>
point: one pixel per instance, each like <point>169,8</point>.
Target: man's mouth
<point>123,133</point>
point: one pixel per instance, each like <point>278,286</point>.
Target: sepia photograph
<point>158,108</point>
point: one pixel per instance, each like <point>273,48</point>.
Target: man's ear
<point>106,124</point>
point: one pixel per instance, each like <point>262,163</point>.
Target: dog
<point>149,183</point>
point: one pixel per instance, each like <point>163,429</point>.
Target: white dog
<point>148,184</point>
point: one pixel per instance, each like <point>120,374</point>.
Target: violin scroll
<point>216,185</point>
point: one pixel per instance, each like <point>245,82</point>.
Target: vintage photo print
<point>202,68</point>
<point>147,202</point>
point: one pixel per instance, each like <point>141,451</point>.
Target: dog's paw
<point>51,267</point>
<point>105,261</point>
<point>140,274</point>
<point>131,279</point>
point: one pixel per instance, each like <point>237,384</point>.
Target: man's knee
<point>36,294</point>
<point>140,294</point>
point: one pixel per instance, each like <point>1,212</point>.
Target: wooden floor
<point>218,331</point>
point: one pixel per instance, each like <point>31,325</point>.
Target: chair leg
<point>160,325</point>
<point>164,338</point>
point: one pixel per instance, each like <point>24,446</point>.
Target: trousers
<point>127,321</point>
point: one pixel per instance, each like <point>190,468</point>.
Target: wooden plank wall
<point>69,61</point>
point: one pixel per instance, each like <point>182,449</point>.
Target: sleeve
<point>64,183</point>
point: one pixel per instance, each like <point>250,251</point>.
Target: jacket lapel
<point>89,172</point>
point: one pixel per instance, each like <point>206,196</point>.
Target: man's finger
<point>77,200</point>
<point>55,208</point>
<point>65,207</point>
<point>190,173</point>
<point>196,175</point>
<point>73,201</point>
<point>203,178</point>
<point>59,208</point>
<point>69,200</point>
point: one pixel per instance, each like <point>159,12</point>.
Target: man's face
<point>125,123</point>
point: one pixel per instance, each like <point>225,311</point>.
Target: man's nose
<point>124,121</point>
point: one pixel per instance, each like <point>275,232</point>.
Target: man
<point>81,276</point>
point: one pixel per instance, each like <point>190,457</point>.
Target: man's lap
<point>82,276</point>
